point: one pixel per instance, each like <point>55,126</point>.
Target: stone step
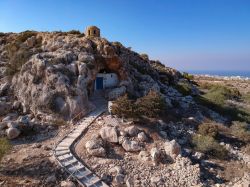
<point>90,180</point>
<point>77,166</point>
<point>62,152</point>
<point>82,174</point>
<point>69,162</point>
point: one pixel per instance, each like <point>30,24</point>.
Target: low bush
<point>151,105</point>
<point>123,107</point>
<point>246,97</point>
<point>188,76</point>
<point>208,129</point>
<point>74,32</point>
<point>144,56</point>
<point>184,88</point>
<point>5,146</point>
<point>241,130</point>
<point>209,146</point>
<point>219,94</point>
<point>23,36</point>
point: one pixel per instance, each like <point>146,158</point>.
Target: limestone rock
<point>131,146</point>
<point>4,88</point>
<point>119,179</point>
<point>12,133</point>
<point>142,137</point>
<point>156,154</point>
<point>67,184</point>
<point>172,148</point>
<point>3,125</point>
<point>5,107</point>
<point>116,92</point>
<point>31,41</point>
<point>95,147</point>
<point>109,134</point>
<point>132,130</point>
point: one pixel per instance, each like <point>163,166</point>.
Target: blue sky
<point>184,34</point>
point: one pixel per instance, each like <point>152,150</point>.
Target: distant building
<point>92,31</point>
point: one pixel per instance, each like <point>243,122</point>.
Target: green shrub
<point>184,88</point>
<point>123,107</point>
<point>246,97</point>
<point>23,36</point>
<point>188,76</point>
<point>151,105</point>
<point>74,32</point>
<point>208,145</point>
<point>219,94</point>
<point>17,60</point>
<point>2,34</point>
<point>241,130</point>
<point>208,129</point>
<point>5,146</point>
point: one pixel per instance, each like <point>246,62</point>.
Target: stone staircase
<point>64,150</point>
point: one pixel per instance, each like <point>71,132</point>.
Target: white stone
<point>172,148</point>
<point>131,146</point>
<point>142,137</point>
<point>109,134</point>
<point>12,133</point>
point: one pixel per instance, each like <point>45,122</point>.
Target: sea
<point>225,74</point>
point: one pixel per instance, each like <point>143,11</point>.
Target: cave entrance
<point>106,79</point>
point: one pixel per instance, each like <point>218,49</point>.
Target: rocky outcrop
<point>109,134</point>
<point>95,147</point>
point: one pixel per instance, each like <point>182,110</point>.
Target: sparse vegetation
<point>218,94</point>
<point>209,146</point>
<point>5,146</point>
<point>241,130</point>
<point>188,76</point>
<point>208,129</point>
<point>184,88</point>
<point>246,97</point>
<point>151,105</point>
<point>74,32</point>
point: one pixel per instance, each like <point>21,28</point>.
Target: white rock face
<point>131,146</point>
<point>109,134</point>
<point>116,92</point>
<point>12,133</point>
<point>172,148</point>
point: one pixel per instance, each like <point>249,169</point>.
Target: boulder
<point>67,184</point>
<point>24,119</point>
<point>132,130</point>
<point>5,107</point>
<point>142,137</point>
<point>109,134</point>
<point>119,179</point>
<point>130,182</point>
<point>3,125</point>
<point>95,147</point>
<point>12,124</point>
<point>156,155</point>
<point>16,105</point>
<point>12,133</point>
<point>172,148</point>
<point>131,146</point>
<point>4,88</point>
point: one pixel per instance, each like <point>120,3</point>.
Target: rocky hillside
<point>167,129</point>
<point>52,74</point>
